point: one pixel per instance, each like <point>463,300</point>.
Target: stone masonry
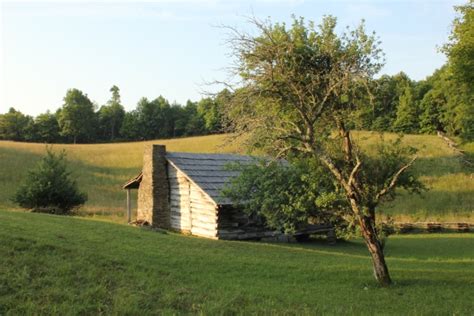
<point>153,194</point>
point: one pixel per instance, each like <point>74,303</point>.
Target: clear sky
<point>172,48</point>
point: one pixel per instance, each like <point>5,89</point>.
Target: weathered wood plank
<point>203,232</point>
<point>200,225</point>
<point>203,209</point>
<point>204,218</point>
<point>179,188</point>
<point>178,205</point>
<point>184,200</point>
<point>202,204</point>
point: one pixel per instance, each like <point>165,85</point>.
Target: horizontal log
<point>178,209</point>
<point>239,234</point>
<point>202,204</point>
<point>179,206</point>
<point>184,221</point>
<point>180,199</point>
<point>203,213</point>
<point>178,183</point>
<point>201,225</point>
<point>204,209</point>
<point>173,171</point>
<point>180,227</point>
<point>227,225</point>
<point>197,194</point>
<point>179,189</point>
<point>204,218</point>
<point>180,214</point>
<point>203,232</point>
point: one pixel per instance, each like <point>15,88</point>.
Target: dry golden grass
<point>101,169</point>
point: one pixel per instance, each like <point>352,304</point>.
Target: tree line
<point>399,104</point>
<point>80,120</point>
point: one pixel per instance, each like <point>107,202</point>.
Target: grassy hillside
<point>101,169</point>
<point>65,265</point>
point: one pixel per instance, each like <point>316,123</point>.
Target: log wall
<point>235,224</point>
<point>191,211</point>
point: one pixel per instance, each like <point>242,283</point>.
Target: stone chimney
<point>153,194</point>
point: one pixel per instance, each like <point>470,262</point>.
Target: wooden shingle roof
<point>208,171</point>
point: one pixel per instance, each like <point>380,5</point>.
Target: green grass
<point>65,265</point>
<point>101,169</point>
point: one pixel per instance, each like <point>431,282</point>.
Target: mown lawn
<point>65,265</point>
<point>101,169</point>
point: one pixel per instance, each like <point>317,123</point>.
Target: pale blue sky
<point>172,48</point>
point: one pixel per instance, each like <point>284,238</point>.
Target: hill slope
<point>101,169</point>
<point>65,265</point>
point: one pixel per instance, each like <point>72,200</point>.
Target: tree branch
<point>392,184</point>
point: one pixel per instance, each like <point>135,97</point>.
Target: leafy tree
<point>77,118</point>
<point>210,109</point>
<point>460,73</point>
<point>194,121</point>
<point>47,128</point>
<point>432,107</point>
<point>460,48</point>
<point>13,125</point>
<point>179,120</point>
<point>111,115</point>
<point>385,102</point>
<point>153,118</point>
<point>299,87</point>
<point>407,113</point>
<point>49,187</point>
<point>286,195</point>
<point>165,119</point>
<point>131,128</point>
<point>207,109</point>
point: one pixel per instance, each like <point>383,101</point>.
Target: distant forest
<point>443,102</point>
<point>398,104</point>
<point>79,120</point>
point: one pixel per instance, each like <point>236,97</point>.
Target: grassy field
<point>65,265</point>
<point>101,169</point>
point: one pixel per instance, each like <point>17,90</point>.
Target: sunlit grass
<point>101,169</point>
<point>66,265</point>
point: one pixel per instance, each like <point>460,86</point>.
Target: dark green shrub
<point>49,187</point>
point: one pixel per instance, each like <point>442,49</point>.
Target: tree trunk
<point>366,224</point>
<point>375,248</point>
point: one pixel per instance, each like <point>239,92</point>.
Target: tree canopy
<point>300,86</point>
<point>77,116</point>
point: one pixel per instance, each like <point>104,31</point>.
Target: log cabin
<point>182,192</point>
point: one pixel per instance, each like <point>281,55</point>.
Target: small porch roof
<point>133,183</point>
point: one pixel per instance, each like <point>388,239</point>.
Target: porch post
<point>129,207</point>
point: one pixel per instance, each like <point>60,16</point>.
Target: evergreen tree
<point>49,187</point>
